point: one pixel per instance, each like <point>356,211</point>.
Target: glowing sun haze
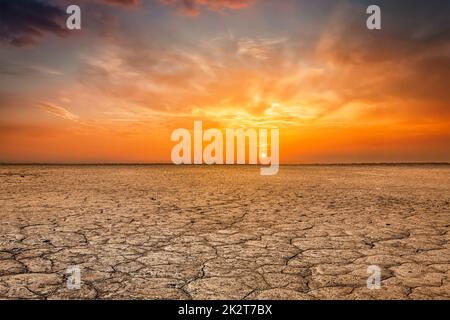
<point>115,90</point>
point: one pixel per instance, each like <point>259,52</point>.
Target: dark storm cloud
<point>24,22</point>
<point>409,56</point>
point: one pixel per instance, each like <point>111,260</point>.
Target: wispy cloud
<point>20,69</point>
<point>57,111</point>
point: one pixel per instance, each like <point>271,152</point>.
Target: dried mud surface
<point>165,232</point>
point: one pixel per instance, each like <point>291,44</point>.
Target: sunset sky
<point>116,89</point>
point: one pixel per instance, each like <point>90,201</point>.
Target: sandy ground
<point>165,232</point>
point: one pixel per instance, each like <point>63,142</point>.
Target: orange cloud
<point>126,3</point>
<point>374,96</point>
<point>192,7</point>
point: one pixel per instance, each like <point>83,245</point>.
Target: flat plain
<point>218,232</point>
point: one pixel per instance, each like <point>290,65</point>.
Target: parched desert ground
<point>167,232</point>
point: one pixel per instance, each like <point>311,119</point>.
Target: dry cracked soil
<point>167,232</point>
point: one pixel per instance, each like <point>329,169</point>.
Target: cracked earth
<point>166,232</point>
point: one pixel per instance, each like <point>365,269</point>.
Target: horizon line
<point>246,164</point>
